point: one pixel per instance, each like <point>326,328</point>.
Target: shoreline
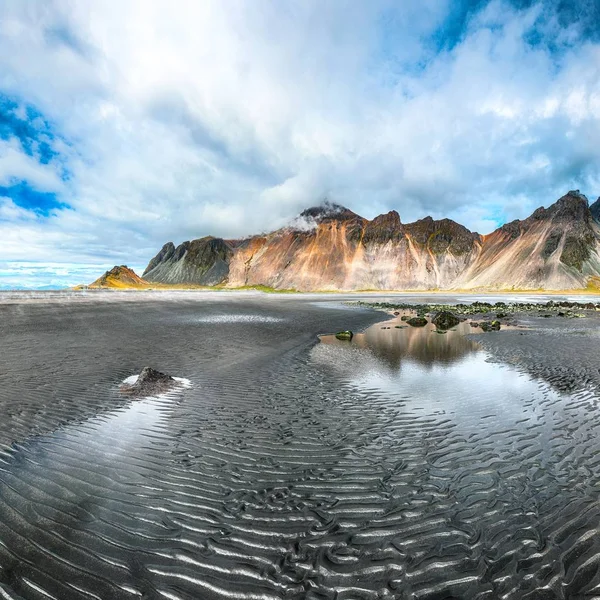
<point>268,290</point>
<point>112,295</point>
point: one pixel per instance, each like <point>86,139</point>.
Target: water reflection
<point>424,371</point>
<point>394,342</point>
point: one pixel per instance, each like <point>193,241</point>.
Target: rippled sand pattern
<point>286,469</point>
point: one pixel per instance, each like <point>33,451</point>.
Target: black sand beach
<point>404,464</point>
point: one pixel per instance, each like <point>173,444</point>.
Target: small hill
<point>120,277</point>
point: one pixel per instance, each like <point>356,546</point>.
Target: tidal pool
<point>403,465</point>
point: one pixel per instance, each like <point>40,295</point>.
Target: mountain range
<point>329,247</point>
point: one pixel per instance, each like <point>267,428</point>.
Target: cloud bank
<point>127,124</point>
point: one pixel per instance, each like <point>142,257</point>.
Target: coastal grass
<point>593,287</point>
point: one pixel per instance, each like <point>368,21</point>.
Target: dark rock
<point>577,250</point>
<point>383,228</point>
<point>344,335</point>
<point>442,236</point>
<point>150,382</point>
<point>417,321</point>
<point>474,324</point>
<point>445,320</point>
<point>490,326</point>
<point>552,242</point>
<point>396,313</point>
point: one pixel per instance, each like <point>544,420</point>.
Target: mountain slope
<point>555,248</point>
<point>331,248</point>
<point>203,262</point>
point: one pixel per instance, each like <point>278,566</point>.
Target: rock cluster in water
<point>500,309</point>
<point>417,321</point>
<point>445,320</point>
<point>150,382</point>
<point>490,325</point>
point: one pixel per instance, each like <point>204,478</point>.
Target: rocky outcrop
<point>149,382</point>
<point>329,247</point>
<point>445,320</point>
<point>490,326</point>
<point>119,277</point>
<point>383,229</point>
<point>417,321</point>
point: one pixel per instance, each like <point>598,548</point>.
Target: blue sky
<point>124,125</point>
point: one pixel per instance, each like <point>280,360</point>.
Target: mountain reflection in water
<point>394,341</point>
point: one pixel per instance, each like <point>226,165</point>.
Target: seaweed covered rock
<point>417,321</point>
<point>344,335</point>
<point>150,382</point>
<point>490,326</point>
<point>445,320</point>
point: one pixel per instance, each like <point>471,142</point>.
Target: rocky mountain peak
<point>383,228</point>
<point>573,205</point>
<point>328,211</point>
<point>443,235</point>
<point>391,219</point>
<point>165,253</point>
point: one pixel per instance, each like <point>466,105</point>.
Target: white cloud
<point>16,165</point>
<point>229,118</point>
<point>49,275</point>
<point>12,213</point>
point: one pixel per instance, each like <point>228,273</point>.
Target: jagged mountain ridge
<point>331,248</point>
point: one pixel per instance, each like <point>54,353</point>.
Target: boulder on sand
<point>445,320</point>
<point>417,321</point>
<point>344,335</point>
<point>150,382</point>
<point>493,326</point>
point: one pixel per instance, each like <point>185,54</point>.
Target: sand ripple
<point>296,474</point>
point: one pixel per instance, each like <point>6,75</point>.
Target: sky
<point>125,124</point>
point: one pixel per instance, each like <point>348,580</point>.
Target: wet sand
<point>405,464</point>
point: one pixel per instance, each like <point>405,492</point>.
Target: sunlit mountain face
<point>331,248</point>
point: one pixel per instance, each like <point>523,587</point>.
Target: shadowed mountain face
<point>204,262</point>
<point>331,248</point>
